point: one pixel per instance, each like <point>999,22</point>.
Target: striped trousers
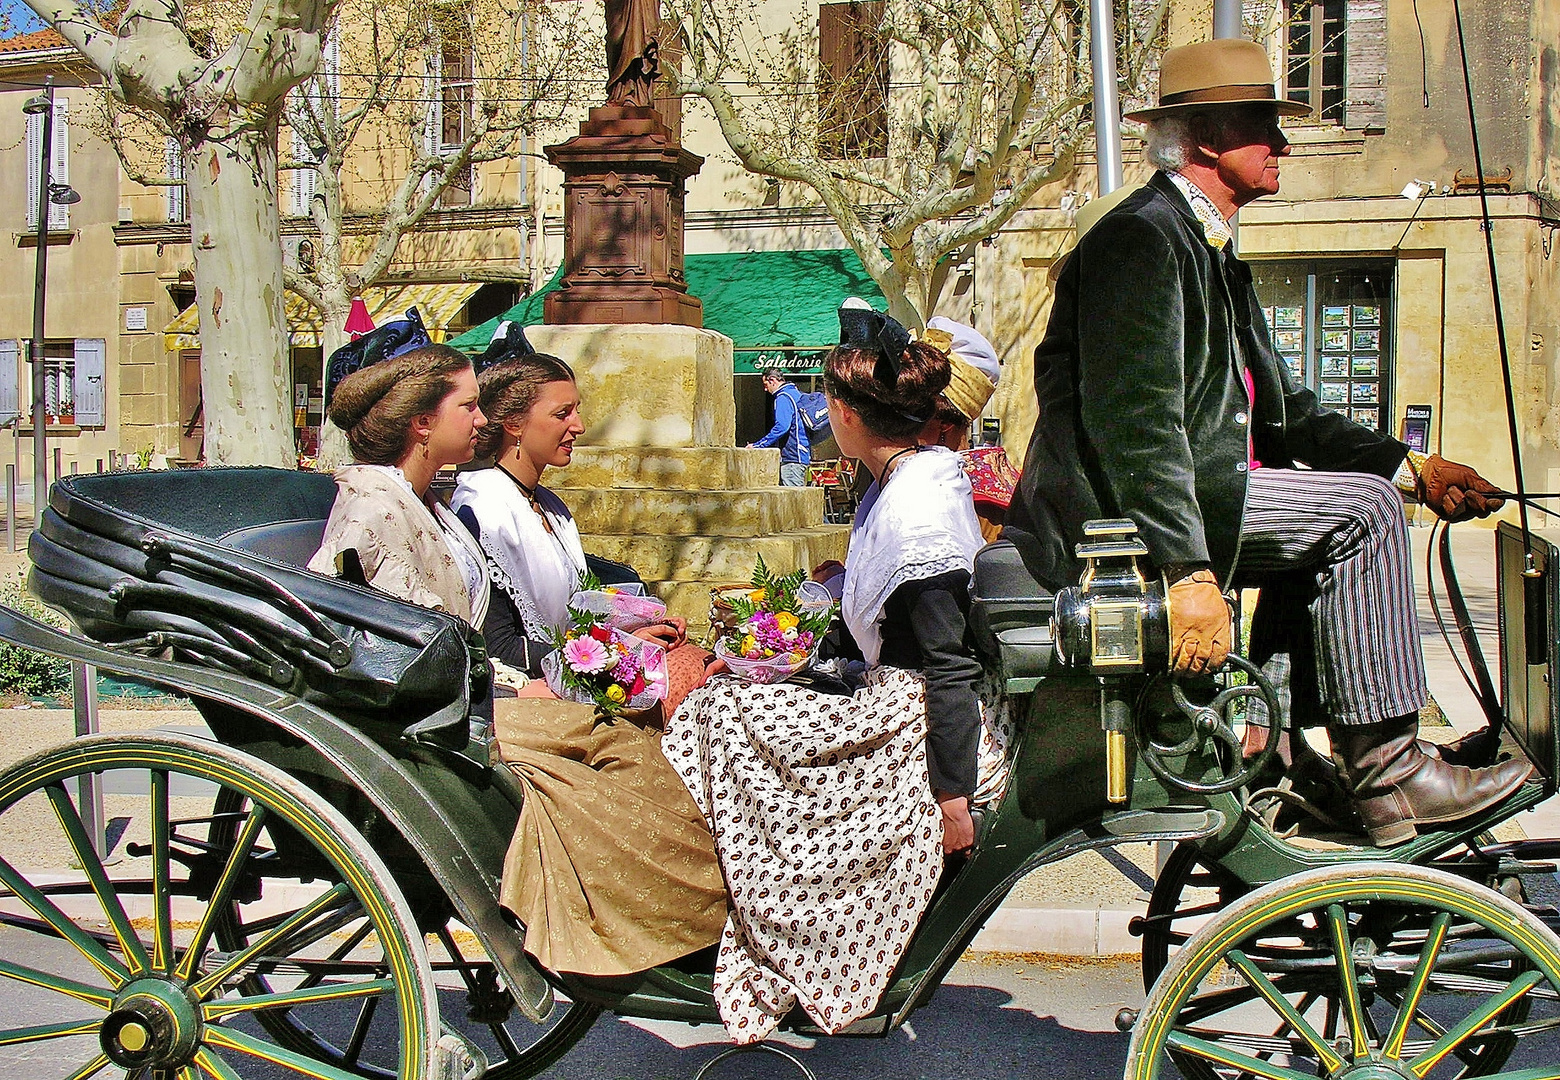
<point>1335,627</point>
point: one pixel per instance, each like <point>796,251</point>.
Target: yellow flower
<point>786,621</point>
<point>749,645</point>
<point>616,694</point>
<point>758,596</point>
<point>611,590</point>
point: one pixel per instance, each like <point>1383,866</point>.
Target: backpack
<point>814,410</point>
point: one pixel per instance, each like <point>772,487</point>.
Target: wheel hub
<point>153,1024</point>
<point>1373,1070</point>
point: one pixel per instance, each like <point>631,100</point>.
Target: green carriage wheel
<point>134,982</point>
<point>1440,977</point>
<point>1188,890</point>
<point>468,984</point>
<point>515,1047</point>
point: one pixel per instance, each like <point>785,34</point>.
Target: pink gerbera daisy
<point>586,655</point>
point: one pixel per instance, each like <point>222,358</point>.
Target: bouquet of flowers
<point>622,607</point>
<point>599,664</point>
<point>778,624</point>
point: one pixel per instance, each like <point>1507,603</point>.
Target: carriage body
<point>363,702</point>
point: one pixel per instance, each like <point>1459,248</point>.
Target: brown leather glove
<point>1199,624</point>
<point>1455,492</point>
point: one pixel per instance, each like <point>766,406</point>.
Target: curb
<point>1060,931</point>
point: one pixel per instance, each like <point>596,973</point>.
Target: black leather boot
<point>1397,786</point>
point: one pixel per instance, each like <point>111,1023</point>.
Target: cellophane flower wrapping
<point>600,665</point>
<point>779,624</point>
<point>623,607</point>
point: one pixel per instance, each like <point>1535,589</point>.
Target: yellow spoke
<point>162,892</point>
<point>247,1044</point>
<point>97,877</point>
<point>1280,1004</point>
<point>1220,1055</point>
<point>214,1066</point>
<point>48,1031</point>
<point>243,844</point>
<point>58,983</point>
<point>91,1068</point>
<point>1343,948</point>
<point>1393,1047</point>
<point>291,998</point>
<point>1422,1065</point>
<point>258,948</point>
<point>115,972</point>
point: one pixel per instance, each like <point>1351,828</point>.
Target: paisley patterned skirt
<point>828,835</point>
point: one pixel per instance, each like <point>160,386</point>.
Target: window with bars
<point>852,80</point>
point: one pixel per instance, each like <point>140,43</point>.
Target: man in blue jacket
<point>789,433</point>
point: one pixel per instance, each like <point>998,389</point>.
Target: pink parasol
<point>358,322</point>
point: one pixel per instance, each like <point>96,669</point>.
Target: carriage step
<point>1162,823</point>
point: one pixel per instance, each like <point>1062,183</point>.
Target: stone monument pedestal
<point>656,480</point>
<point>623,178</point>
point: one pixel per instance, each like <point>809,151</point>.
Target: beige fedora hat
<point>1226,71</point>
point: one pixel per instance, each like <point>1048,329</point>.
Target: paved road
<point>997,1018</point>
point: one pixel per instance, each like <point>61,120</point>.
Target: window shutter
<point>34,144</point>
<point>59,168</point>
<point>173,156</point>
<point>330,63</point>
<point>433,130</point>
<point>10,402</point>
<point>1365,104</point>
<point>304,181</point>
<point>852,79</point>
<point>87,389</point>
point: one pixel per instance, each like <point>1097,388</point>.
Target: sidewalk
<point>1077,907</point>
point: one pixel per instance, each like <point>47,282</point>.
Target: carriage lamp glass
<point>1118,633</point>
<point>1113,624</point>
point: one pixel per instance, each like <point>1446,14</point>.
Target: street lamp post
<point>43,105</point>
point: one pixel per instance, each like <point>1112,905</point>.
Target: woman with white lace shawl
<point>832,815</point>
<point>611,868</point>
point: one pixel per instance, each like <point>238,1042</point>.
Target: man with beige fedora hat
<point>1160,399</point>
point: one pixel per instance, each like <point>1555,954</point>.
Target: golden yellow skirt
<point>612,868</point>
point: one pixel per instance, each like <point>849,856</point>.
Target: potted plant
<point>65,410</point>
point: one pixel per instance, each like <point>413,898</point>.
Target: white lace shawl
<point>921,524</point>
<point>538,570</point>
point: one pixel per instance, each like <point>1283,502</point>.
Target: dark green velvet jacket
<point>1143,411</point>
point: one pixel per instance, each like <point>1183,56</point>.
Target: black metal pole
<point>36,350</point>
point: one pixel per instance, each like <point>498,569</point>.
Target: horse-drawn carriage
<point>313,891</point>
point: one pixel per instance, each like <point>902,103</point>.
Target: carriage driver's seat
<point>1010,614</point>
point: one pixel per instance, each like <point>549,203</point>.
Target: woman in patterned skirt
<point>832,814</point>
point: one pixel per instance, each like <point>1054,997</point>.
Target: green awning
<point>774,305</point>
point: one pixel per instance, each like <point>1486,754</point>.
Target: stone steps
<point>750,512</point>
<point>683,468</point>
<point>712,560</point>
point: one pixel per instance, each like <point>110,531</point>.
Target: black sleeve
<point>924,627</point>
<point>505,636</point>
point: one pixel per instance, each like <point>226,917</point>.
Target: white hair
<point>1172,141</point>
<point>1169,141</point>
